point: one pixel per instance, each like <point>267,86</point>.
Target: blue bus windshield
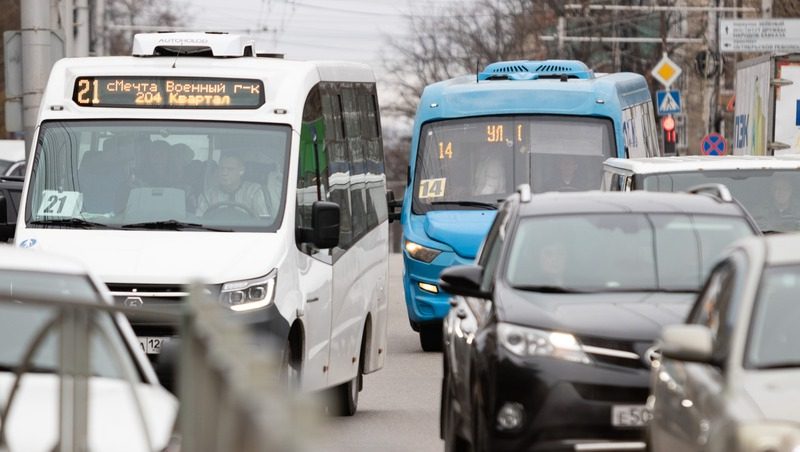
<point>470,163</point>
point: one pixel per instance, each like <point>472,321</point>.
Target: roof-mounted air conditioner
<point>193,44</point>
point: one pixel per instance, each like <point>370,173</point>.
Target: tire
<point>346,397</point>
<point>346,394</point>
<point>290,369</point>
<point>453,441</point>
<point>430,337</point>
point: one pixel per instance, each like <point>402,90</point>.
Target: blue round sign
<point>714,144</point>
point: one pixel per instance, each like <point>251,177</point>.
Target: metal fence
<point>230,394</point>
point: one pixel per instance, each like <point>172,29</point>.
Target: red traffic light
<point>668,123</point>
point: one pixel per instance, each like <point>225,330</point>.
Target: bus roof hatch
<point>193,44</point>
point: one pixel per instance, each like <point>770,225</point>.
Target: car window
<point>717,305</point>
<point>774,333</point>
<point>492,248</point>
<point>629,251</point>
<point>20,322</point>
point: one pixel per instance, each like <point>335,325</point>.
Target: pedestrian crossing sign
<point>668,102</point>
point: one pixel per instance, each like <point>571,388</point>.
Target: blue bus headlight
<point>421,253</point>
<point>249,294</point>
<point>523,341</point>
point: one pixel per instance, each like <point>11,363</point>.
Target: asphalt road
<point>398,409</point>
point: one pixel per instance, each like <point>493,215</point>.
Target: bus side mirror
<point>324,230</point>
<point>393,205</point>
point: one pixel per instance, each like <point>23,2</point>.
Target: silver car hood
<point>775,393</point>
<point>114,424</point>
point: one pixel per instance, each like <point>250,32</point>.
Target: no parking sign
<point>714,144</point>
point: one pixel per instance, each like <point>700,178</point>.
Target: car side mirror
<point>324,230</point>
<point>394,206</point>
<point>685,342</point>
<point>166,366</point>
<point>464,280</point>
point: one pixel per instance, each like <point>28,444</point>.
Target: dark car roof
<point>556,203</point>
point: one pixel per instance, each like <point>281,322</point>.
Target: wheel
<point>290,374</point>
<point>345,395</point>
<point>453,441</point>
<point>430,337</point>
<point>219,209</point>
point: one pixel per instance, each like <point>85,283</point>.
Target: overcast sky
<point>354,30</point>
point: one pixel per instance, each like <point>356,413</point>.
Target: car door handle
<point>312,299</point>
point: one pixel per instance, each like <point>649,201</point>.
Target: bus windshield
<point>474,162</point>
<point>169,175</point>
<point>766,194</point>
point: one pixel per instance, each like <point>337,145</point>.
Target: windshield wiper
<point>785,365</point>
<point>31,370</point>
<point>547,289</point>
<point>648,289</point>
<point>172,225</point>
<point>74,222</point>
<point>483,205</point>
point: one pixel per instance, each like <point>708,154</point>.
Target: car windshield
<point>774,335</point>
<point>474,162</point>
<point>769,195</point>
<point>619,252</point>
<point>174,175</point>
<point>20,322</point>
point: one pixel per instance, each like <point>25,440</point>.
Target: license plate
<point>630,415</point>
<point>152,345</point>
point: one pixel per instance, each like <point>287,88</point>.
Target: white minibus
<point>198,158</point>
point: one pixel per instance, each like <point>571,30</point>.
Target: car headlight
<point>249,294</point>
<point>523,341</point>
<point>421,253</point>
<point>768,437</point>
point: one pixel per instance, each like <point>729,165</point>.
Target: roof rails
<point>534,70</point>
<point>524,191</point>
<point>718,191</point>
<point>212,44</point>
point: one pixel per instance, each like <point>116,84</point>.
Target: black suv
<point>549,339</point>
<point>10,192</point>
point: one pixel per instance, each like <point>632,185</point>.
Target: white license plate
<point>630,415</point>
<point>152,344</point>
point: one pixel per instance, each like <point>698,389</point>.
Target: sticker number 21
<point>52,201</point>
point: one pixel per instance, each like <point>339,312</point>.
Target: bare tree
<point>463,39</point>
<point>130,13</point>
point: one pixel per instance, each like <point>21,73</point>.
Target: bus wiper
<point>547,289</point>
<point>783,365</point>
<point>172,225</point>
<point>75,222</point>
<point>483,205</point>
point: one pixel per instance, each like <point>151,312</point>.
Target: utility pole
<point>82,28</point>
<point>711,88</point>
<point>35,22</point>
<point>100,27</point>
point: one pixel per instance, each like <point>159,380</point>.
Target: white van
<point>198,159</point>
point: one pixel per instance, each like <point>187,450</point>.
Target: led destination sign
<point>168,92</point>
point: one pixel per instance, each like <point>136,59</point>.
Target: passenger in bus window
<point>490,177</point>
<point>230,191</point>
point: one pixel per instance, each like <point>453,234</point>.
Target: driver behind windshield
<point>229,189</point>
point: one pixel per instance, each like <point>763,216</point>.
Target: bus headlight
<point>523,341</point>
<point>421,253</point>
<point>249,294</point>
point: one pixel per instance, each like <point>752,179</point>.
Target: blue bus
<point>549,124</point>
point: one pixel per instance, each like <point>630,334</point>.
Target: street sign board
<point>668,102</point>
<point>666,71</point>
<point>714,144</point>
<point>759,35</point>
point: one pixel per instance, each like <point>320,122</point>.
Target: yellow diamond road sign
<point>666,71</point>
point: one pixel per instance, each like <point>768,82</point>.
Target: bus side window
<point>339,160</point>
<point>312,177</point>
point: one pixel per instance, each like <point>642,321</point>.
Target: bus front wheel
<point>430,337</point>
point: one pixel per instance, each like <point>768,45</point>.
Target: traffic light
<point>668,128</point>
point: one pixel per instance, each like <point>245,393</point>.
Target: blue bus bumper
<point>424,306</point>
